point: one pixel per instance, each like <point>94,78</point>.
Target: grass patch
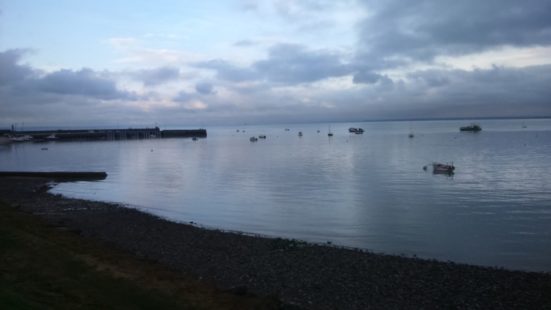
<point>46,267</point>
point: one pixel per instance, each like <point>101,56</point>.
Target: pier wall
<point>109,134</point>
<point>199,133</point>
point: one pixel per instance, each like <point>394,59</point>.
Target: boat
<point>411,135</point>
<point>329,134</point>
<point>262,137</point>
<point>300,133</point>
<point>253,139</point>
<point>359,131</point>
<point>21,138</point>
<point>471,127</point>
<point>54,137</point>
<point>438,168</point>
<point>194,138</point>
<point>352,130</point>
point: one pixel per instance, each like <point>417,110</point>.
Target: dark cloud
<point>431,78</point>
<point>369,77</point>
<point>414,99</point>
<point>156,76</point>
<point>398,32</point>
<point>285,64</point>
<point>183,96</point>
<point>497,91</point>
<point>84,82</point>
<point>275,89</point>
<point>204,88</point>
<point>10,69</point>
<point>289,63</point>
<point>493,92</point>
<point>62,97</point>
<point>18,79</point>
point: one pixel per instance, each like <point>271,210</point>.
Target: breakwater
<point>106,134</point>
<point>57,175</point>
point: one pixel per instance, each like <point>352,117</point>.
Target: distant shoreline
<point>174,127</point>
<point>299,273</point>
<point>457,119</point>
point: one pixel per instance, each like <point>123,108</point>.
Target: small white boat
<point>54,137</point>
<point>21,138</point>
<point>253,139</point>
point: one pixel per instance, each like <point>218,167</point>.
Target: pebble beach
<point>301,275</point>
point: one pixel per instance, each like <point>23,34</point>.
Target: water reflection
<point>367,190</point>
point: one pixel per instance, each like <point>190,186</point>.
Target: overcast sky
<point>200,63</point>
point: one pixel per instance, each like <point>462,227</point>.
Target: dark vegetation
<point>44,266</point>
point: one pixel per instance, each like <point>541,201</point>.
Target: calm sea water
<point>367,191</point>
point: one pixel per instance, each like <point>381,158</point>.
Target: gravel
<point>300,274</point>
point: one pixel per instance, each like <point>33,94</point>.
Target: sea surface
<point>367,191</point>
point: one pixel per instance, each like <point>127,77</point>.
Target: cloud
<point>204,88</point>
<point>10,69</point>
<point>398,33</point>
<point>195,105</point>
<point>285,64</point>
<point>368,77</point>
<point>289,63</point>
<point>63,96</point>
<point>18,79</point>
<point>122,43</point>
<point>228,71</point>
<point>84,82</point>
<point>245,43</point>
<point>183,96</point>
<point>400,60</point>
<point>156,76</point>
<point>249,5</point>
<point>498,91</point>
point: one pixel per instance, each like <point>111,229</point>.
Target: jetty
<point>57,175</point>
<point>105,134</point>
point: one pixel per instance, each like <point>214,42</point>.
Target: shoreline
<point>298,273</point>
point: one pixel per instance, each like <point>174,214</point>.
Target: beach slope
<point>296,273</point>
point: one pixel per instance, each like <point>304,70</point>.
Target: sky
<point>233,62</point>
